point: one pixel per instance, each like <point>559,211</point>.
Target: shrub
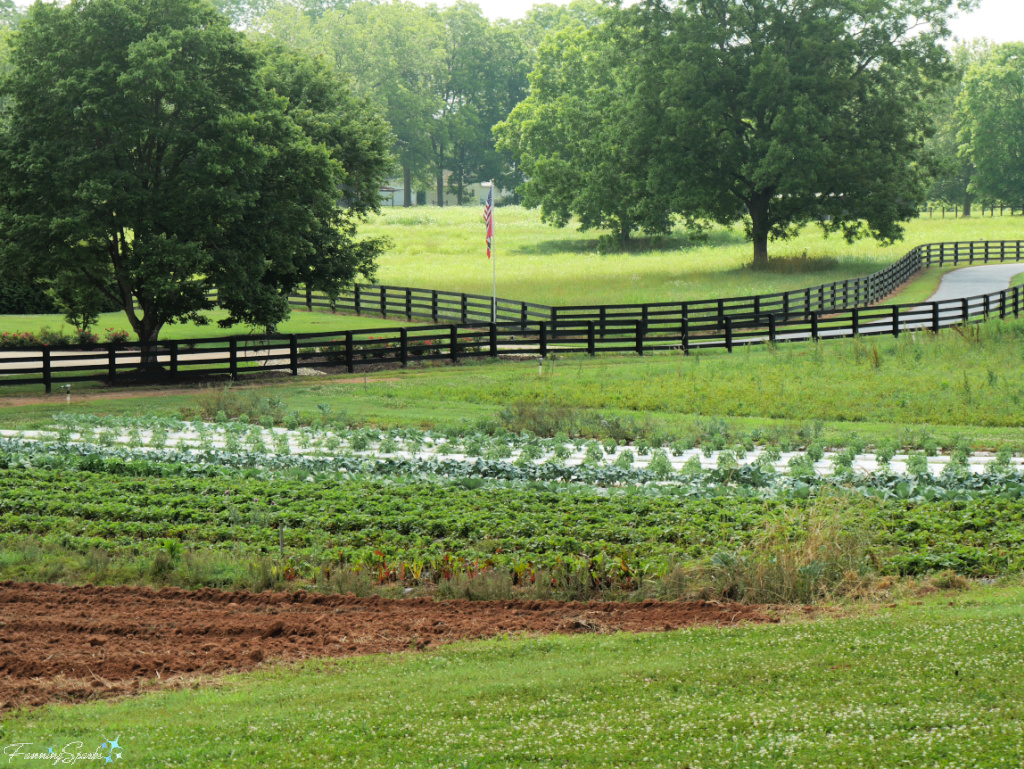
<point>54,338</point>
<point>84,336</point>
<point>116,336</point>
<point>9,340</point>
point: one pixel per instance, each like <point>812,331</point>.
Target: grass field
<point>439,248</point>
<point>443,248</point>
<point>878,388</point>
<point>300,322</point>
<point>928,681</point>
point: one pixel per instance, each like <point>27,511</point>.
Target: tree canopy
<point>584,134</point>
<point>442,76</point>
<point>153,154</point>
<point>991,114</point>
<point>773,113</point>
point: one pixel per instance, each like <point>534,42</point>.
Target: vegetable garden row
<point>434,530</point>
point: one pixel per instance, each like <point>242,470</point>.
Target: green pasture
<point>300,322</point>
<point>441,249</point>
<point>930,681</point>
<point>444,249</point>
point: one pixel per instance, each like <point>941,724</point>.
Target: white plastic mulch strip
<point>197,437</point>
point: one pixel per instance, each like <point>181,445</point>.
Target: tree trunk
<point>760,250</point>
<point>967,206</point>
<point>148,332</point>
<point>458,193</point>
<point>440,189</point>
<point>407,192</point>
<point>760,226</point>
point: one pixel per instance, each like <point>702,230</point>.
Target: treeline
<point>443,77</point>
<point>776,114</point>
<point>850,115</point>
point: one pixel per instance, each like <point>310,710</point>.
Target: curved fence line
<point>645,332</point>
<point>427,304</point>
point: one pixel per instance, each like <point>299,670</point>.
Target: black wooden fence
<point>425,304</point>
<point>822,312</point>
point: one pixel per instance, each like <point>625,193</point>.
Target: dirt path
<point>79,643</point>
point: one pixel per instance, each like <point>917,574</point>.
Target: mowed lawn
<point>444,249</point>
<point>928,681</point>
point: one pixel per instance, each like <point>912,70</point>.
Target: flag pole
<point>494,266</point>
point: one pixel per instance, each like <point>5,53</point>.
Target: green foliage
<point>174,158</point>
<point>780,115</point>
<point>584,134</point>
<point>992,112</point>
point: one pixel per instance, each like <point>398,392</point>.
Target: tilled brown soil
<point>76,643</point>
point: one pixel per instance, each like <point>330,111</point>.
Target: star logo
<point>110,746</point>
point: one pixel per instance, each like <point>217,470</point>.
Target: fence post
<point>965,311</point>
<point>814,326</point>
<point>985,306</point>
<point>728,334</point>
<point>493,338</point>
<point>173,345</point>
<point>384,301</point>
<point>453,342</point>
<point>233,358</point>
<point>523,316</point>
<point>757,305</point>
<point>1002,304</point>
<point>785,307</point>
<point>721,311</point>
<point>935,317</point>
<point>408,304</point>
<point>543,341</point>
<point>350,353</point>
<point>771,327</point>
<point>46,369</point>
<point>293,354</point>
<point>639,338</point>
<point>309,299</point>
<point>1016,297</point>
<point>403,347</point>
<point>357,299</point>
<point>554,319</point>
<point>591,342</point>
<point>855,318</point>
<point>603,312</point>
<point>896,321</point>
<point>807,303</point>
<point>685,335</point>
<point>465,309</point>
<point>433,306</point>
<point>111,362</point>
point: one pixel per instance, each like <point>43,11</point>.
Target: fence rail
<point>437,306</point>
<point>833,311</point>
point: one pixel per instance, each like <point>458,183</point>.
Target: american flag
<point>489,218</point>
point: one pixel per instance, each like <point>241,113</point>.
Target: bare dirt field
<point>76,643</point>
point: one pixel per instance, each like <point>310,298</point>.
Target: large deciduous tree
<point>586,133</point>
<point>787,112</point>
<point>991,109</point>
<point>152,154</point>
<point>952,167</point>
